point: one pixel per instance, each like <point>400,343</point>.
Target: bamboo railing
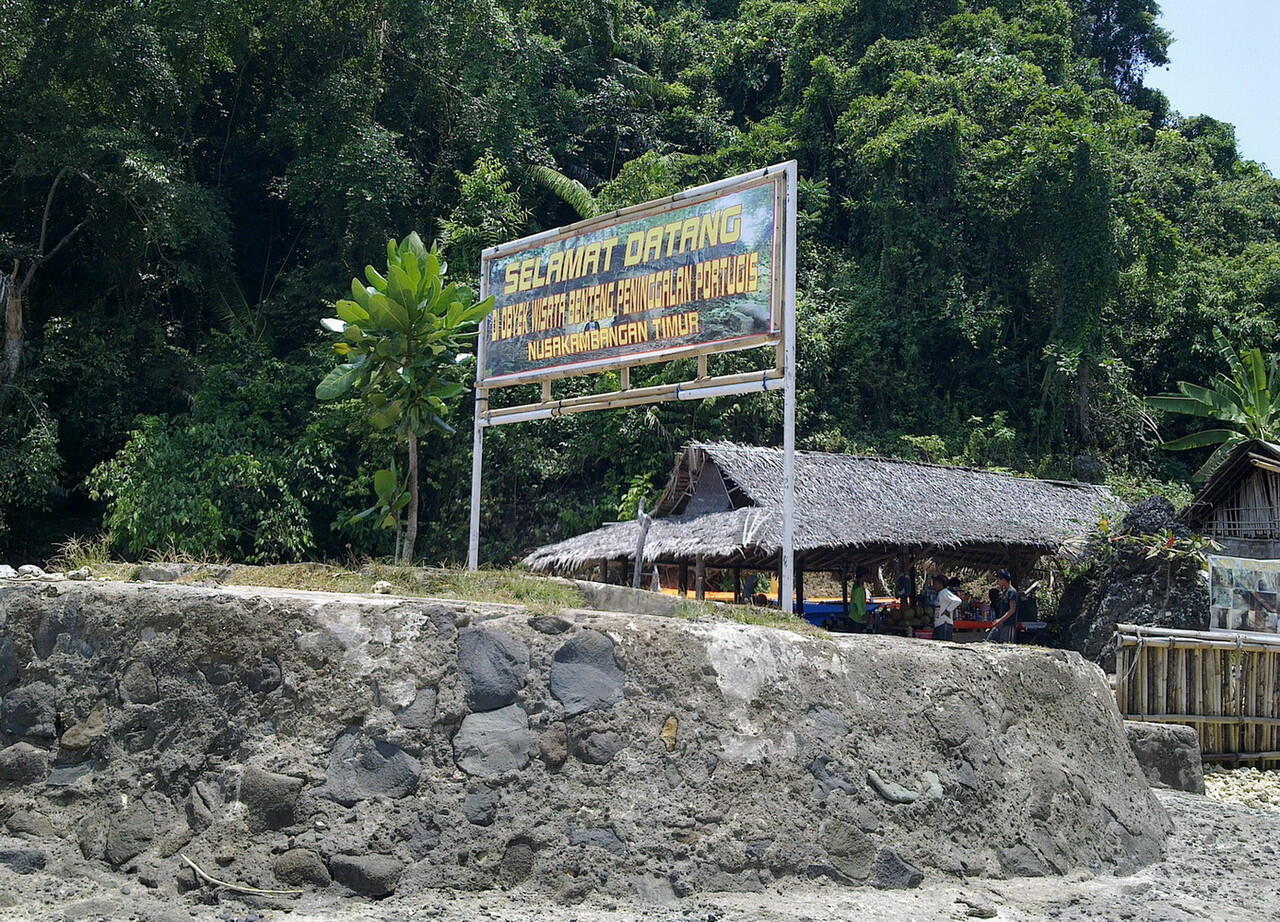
<point>1225,684</point>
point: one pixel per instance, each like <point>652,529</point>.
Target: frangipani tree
<point>1246,399</point>
<point>408,340</point>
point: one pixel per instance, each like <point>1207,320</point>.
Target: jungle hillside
<point>1007,244</point>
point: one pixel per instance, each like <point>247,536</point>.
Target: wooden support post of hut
<point>700,577</point>
<point>684,580</point>
<point>799,571</point>
<point>737,585</point>
<point>844,590</point>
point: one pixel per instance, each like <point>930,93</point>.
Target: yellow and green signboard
<point>654,282</point>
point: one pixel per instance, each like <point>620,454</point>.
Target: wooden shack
<point>1239,505</point>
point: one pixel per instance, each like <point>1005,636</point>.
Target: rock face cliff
<point>301,740</point>
<point>1135,589</point>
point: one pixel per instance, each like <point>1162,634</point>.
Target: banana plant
<point>407,337</point>
<point>1246,400</point>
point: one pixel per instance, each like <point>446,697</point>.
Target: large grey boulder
<point>300,867</point>
<point>138,684</point>
<point>419,714</point>
<point>129,833</point>
<point>163,572</point>
<point>7,572</point>
<point>1169,754</point>
<point>889,871</point>
<point>30,711</point>
<point>8,663</point>
<point>493,665</point>
<point>598,748</point>
<point>493,742</point>
<point>360,768</point>
<point>369,875</point>
<point>269,798</point>
<point>481,807</point>
<point>585,675</point>
<point>22,859</point>
<point>23,763</point>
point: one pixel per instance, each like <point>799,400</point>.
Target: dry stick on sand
<point>236,887</point>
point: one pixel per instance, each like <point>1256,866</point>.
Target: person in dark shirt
<point>1006,616</point>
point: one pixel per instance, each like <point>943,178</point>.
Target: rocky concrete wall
<point>287,739</point>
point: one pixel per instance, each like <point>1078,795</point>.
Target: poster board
<point>1244,594</point>
<point>688,275</point>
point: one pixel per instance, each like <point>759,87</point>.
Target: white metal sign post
<point>686,276</point>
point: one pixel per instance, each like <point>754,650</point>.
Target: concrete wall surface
<point>284,738</point>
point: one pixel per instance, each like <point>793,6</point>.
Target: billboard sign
<point>681,276</point>
<point>1244,594</point>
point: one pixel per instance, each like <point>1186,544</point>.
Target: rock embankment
<point>306,740</point>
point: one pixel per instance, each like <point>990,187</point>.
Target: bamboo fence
<point>1225,684</point>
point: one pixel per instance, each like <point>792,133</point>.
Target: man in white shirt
<point>944,612</point>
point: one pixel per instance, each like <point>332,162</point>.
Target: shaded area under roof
<point>723,502</point>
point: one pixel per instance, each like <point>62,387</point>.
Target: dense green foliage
<point>1246,400</point>
<point>1008,241</point>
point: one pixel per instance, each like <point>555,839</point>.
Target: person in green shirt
<point>858,602</point>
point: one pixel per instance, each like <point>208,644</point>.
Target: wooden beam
<point>700,578</point>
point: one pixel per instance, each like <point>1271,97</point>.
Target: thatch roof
<point>1241,462</point>
<point>724,502</point>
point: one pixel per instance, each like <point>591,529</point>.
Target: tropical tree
<point>407,339</point>
<point>1246,399</point>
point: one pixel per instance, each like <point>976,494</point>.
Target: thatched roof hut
<point>723,503</point>
<point>1239,505</point>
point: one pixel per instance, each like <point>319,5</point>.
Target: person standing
<point>945,606</point>
<point>1006,624</point>
<point>858,602</point>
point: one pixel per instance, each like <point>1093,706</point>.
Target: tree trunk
<point>645,521</point>
<point>1084,397</point>
<point>411,520</point>
<point>11,296</point>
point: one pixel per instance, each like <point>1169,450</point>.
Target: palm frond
<point>570,191</point>
<point>1201,439</point>
<point>1218,457</point>
<point>1171,403</point>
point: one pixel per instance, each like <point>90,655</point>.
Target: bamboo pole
<point>1160,677</point>
<point>1123,657</point>
<point>1174,703</point>
<point>1222,719</point>
<point>1215,697</point>
<point>1197,687</point>
<point>1148,633</point>
<point>1140,674</point>
<point>1193,644</point>
<point>1268,709</point>
<point>1239,756</point>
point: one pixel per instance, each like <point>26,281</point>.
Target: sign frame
<point>782,377</point>
<point>691,197</point>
